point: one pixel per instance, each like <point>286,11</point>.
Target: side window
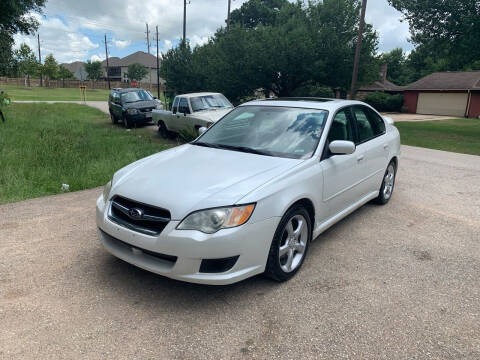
<point>377,121</point>
<point>341,128</point>
<point>366,129</point>
<point>174,106</point>
<point>183,106</point>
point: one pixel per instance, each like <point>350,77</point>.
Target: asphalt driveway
<point>395,282</point>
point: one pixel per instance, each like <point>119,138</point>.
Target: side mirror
<point>155,97</point>
<point>342,147</point>
<point>185,113</point>
<point>202,130</point>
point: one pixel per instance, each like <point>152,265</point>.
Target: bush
<point>313,91</point>
<point>385,102</point>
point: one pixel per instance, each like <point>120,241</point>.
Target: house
<point>382,85</point>
<point>118,67</point>
<point>78,69</point>
<point>452,93</point>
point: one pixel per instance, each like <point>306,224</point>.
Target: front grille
<point>119,243</point>
<point>143,218</point>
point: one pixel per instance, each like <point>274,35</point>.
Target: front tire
<point>388,184</point>
<point>114,119</point>
<point>126,122</point>
<point>290,244</point>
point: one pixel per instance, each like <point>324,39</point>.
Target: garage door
<point>453,104</point>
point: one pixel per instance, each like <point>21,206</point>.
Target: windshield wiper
<point>247,150</point>
<point>201,143</point>
<point>233,147</point>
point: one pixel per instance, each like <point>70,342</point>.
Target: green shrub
<point>385,102</point>
<point>314,91</point>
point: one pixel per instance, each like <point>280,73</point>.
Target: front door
<point>342,173</point>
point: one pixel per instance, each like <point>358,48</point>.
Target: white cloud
<point>57,38</point>
<point>126,20</point>
<point>121,43</point>
<point>97,57</point>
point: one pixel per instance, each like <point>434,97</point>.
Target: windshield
<point>205,102</point>
<point>134,96</point>
<point>268,130</point>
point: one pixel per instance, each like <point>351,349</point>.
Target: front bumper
<point>250,242</point>
<point>139,118</point>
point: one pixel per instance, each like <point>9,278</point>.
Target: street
<point>393,282</point>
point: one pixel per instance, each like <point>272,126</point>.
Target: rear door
<point>342,173</point>
<point>372,142</point>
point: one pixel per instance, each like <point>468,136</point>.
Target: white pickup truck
<point>190,112</point>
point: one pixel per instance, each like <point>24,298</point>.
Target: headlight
<point>211,220</point>
<point>132,111</point>
<point>159,107</point>
<point>106,191</point>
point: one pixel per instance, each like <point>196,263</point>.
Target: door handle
<point>385,146</point>
<point>360,158</point>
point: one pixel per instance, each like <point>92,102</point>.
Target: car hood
<point>141,104</point>
<point>191,177</point>
<point>213,115</point>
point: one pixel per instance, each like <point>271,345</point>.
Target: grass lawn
<point>457,135</point>
<point>43,146</point>
<point>64,94</point>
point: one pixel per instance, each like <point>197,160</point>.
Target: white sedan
<point>249,195</point>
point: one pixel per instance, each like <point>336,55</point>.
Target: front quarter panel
<point>276,196</point>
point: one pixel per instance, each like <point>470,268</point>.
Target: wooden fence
<point>73,83</point>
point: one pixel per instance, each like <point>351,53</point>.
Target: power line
<point>106,57</point>
<point>356,61</point>
<point>40,60</point>
<point>148,40</point>
<point>158,67</point>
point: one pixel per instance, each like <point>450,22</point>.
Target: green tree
<point>50,67</point>
<point>136,72</point>
<point>310,45</point>
<point>64,73</point>
<point>446,32</point>
<point>257,12</point>
<point>94,70</point>
<point>27,64</point>
<point>399,70</point>
<point>15,16</point>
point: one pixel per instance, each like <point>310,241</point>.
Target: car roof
<point>309,103</point>
<point>121,90</point>
<point>198,94</point>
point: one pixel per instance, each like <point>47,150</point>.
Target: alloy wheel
<point>293,243</point>
<point>389,181</point>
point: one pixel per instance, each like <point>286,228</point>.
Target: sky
<point>73,30</point>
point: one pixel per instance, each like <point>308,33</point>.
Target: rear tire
<point>388,184</point>
<point>290,244</point>
<point>162,130</point>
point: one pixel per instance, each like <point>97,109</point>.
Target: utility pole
<point>184,20</point>
<point>228,14</point>
<point>40,60</point>
<point>148,39</point>
<point>106,57</point>
<point>357,51</point>
<point>158,67</point>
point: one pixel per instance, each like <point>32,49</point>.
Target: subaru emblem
<point>135,213</point>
